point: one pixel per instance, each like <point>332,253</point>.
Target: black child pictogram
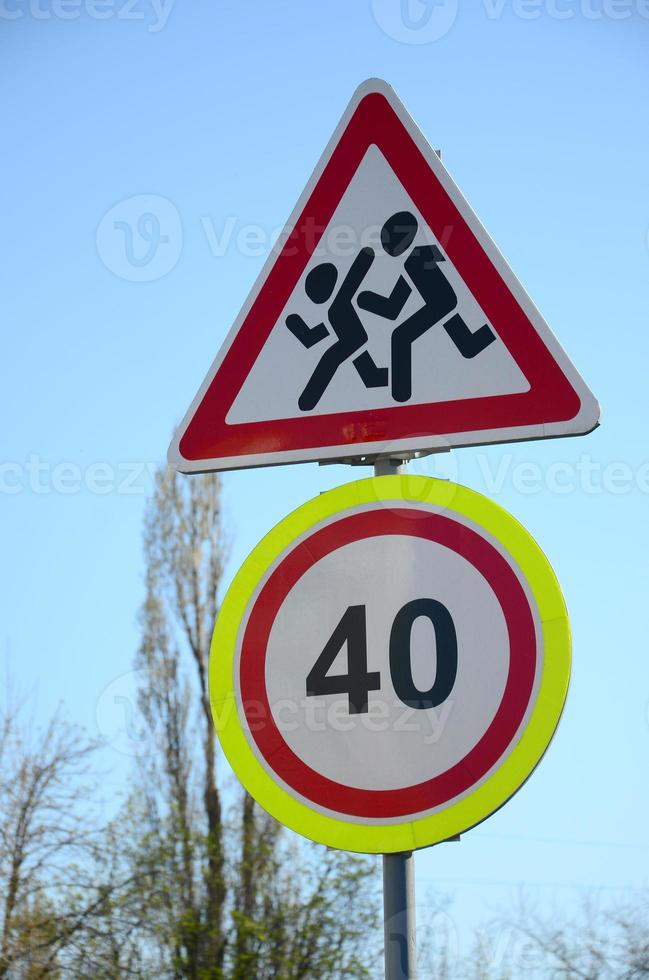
<point>423,268</point>
<point>345,323</point>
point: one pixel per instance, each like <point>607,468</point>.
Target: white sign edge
<point>584,422</point>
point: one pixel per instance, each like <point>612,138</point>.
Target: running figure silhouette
<point>346,324</point>
<point>423,268</point>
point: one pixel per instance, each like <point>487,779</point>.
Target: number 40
<point>358,681</point>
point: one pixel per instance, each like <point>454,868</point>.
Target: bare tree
<point>184,555</point>
<point>599,942</point>
<point>225,896</point>
<point>49,842</point>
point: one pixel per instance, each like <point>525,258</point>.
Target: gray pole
<point>399,916</point>
<point>398,871</point>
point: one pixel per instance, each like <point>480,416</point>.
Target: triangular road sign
<point>385,321</point>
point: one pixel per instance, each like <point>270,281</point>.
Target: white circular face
<point>388,662</point>
<point>389,743</point>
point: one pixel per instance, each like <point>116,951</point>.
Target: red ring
<point>509,715</point>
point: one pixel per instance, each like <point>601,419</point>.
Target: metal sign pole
<point>399,916</point>
<point>398,870</point>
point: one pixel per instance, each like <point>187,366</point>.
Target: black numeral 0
<point>358,681</point>
<point>401,653</point>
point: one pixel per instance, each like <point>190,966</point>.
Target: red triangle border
<point>550,399</point>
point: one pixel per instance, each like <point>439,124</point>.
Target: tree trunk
<point>215,884</point>
<point>246,896</point>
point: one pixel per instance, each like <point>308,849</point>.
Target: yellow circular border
<point>541,724</point>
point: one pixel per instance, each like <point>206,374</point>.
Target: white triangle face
<point>440,372</point>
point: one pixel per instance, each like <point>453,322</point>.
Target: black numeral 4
<point>357,682</point>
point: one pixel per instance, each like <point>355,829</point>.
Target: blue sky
<point>222,109</point>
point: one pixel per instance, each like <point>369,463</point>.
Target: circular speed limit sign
<point>390,664</point>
